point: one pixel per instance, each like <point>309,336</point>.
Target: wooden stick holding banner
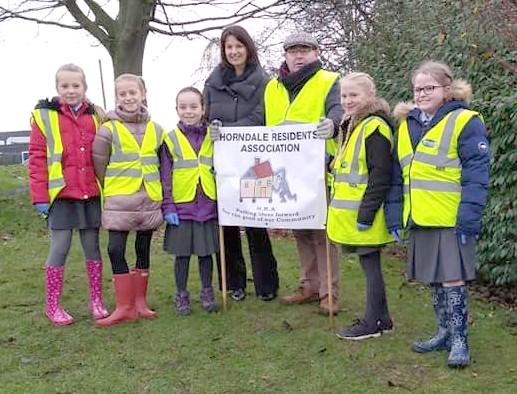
<point>222,258</point>
<point>329,283</point>
<point>329,264</point>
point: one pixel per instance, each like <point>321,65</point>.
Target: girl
<point>439,193</point>
<point>189,199</point>
<point>126,162</point>
<point>234,95</point>
<point>362,172</point>
<point>63,186</point>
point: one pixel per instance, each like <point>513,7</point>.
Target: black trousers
<point>263,262</point>
<point>117,241</point>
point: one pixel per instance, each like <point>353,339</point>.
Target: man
<point>305,93</point>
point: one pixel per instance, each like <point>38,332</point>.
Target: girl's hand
<point>362,226</point>
<point>172,219</point>
<point>42,208</point>
<point>215,133</point>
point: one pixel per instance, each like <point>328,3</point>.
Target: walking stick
<point>222,258</point>
<point>329,283</point>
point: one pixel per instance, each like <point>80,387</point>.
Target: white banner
<point>271,177</point>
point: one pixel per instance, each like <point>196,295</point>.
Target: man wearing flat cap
<point>306,93</point>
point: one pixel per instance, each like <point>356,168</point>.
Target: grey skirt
<point>67,214</point>
<point>436,256</point>
<point>192,238</point>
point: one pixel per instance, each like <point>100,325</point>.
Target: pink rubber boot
<point>54,287</point>
<point>94,269</point>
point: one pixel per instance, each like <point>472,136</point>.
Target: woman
<point>439,192</point>
<point>234,94</point>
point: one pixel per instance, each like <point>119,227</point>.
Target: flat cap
<point>300,38</point>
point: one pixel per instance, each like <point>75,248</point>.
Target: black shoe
<point>237,294</point>
<point>385,325</point>
<point>360,330</point>
<point>267,296</point>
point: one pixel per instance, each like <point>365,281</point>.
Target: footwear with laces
<point>385,325</point>
<point>360,329</point>
<point>267,296</point>
<point>208,299</point>
<point>237,294</point>
<point>182,303</point>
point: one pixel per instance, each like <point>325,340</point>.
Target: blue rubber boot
<point>440,338</point>
<point>457,310</point>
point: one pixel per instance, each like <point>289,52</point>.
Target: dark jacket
<point>474,153</point>
<point>379,163</point>
<point>236,101</point>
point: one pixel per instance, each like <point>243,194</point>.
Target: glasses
<point>300,50</point>
<point>428,89</point>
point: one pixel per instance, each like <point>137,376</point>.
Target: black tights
<point>117,241</point>
<point>181,268</point>
<point>376,303</point>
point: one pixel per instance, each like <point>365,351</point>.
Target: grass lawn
<point>254,347</point>
<point>13,177</point>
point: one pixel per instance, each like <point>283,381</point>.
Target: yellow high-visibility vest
<point>48,122</point>
<point>131,165</point>
<point>307,107</point>
<point>432,173</point>
<point>190,168</point>
<point>350,183</point>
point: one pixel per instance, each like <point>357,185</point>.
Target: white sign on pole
<point>271,177</point>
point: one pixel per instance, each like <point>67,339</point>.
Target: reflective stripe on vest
<point>432,174</point>
<point>307,107</point>
<point>131,164</point>
<point>349,187</point>
<point>190,168</point>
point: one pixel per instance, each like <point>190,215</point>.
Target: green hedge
<point>458,33</point>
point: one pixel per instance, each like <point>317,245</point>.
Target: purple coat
<point>202,208</point>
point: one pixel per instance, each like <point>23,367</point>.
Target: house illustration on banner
<point>257,182</point>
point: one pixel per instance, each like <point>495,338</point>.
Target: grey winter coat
<point>125,212</point>
<point>239,101</point>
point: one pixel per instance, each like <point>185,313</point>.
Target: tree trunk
<point>131,29</point>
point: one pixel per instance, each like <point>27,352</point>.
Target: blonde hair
<point>362,79</point>
<point>459,88</point>
<point>131,78</point>
<point>366,82</point>
<point>72,68</point>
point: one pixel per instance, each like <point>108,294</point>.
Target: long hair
<point>243,37</point>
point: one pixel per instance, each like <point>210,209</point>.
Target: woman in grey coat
<point>234,94</point>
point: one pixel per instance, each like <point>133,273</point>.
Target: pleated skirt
<point>192,238</point>
<point>67,214</point>
<point>436,256</point>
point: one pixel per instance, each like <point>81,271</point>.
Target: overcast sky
<point>30,56</point>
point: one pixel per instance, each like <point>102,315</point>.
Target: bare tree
<point>122,27</point>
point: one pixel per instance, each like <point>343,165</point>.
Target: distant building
<point>14,147</point>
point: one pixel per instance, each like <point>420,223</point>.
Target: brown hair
<point>72,68</point>
<point>243,37</point>
<point>191,89</point>
<point>459,88</point>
